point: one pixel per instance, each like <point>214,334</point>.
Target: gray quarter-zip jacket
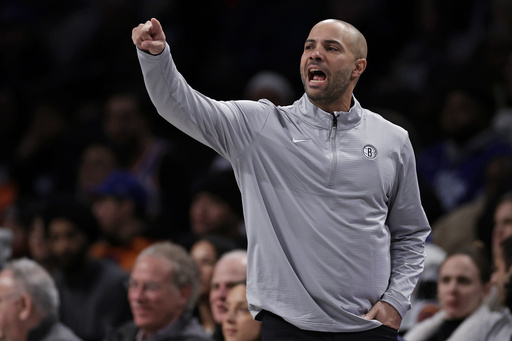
<point>331,202</point>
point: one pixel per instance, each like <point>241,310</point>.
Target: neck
<point>343,104</point>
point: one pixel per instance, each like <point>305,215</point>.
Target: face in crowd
<point>205,255</point>
<point>460,287</point>
<point>239,325</point>
<point>229,271</point>
<point>154,299</point>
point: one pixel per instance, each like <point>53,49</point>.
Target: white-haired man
<point>29,303</point>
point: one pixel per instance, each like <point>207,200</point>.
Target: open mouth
<point>316,75</point>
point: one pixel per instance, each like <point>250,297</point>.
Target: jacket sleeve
<point>227,127</point>
<point>409,229</point>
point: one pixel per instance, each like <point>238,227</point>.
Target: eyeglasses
<point>148,286</point>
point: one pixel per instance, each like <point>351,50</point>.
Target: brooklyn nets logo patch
<point>370,152</point>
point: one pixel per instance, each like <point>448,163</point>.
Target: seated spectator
<point>29,304</point>
<point>96,163</point>
<point>137,147</point>
<point>162,291</point>
<point>217,208</point>
<point>120,208</point>
<point>230,270</point>
<point>502,278</point>
<point>463,283</point>
<point>206,253</point>
<point>239,325</point>
<point>501,231</point>
<point>92,292</point>
<point>453,168</point>
<point>502,222</point>
<point>473,221</point>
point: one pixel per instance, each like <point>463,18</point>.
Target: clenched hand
<point>149,37</point>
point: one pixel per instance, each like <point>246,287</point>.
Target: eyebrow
<point>327,41</point>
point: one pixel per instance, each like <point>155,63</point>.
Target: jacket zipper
<point>332,138</point>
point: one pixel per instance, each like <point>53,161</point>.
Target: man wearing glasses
<point>162,290</point>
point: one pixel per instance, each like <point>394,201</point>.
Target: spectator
<point>29,304</point>
<point>501,231</point>
<point>98,161</point>
<point>503,222</point>
<point>474,220</point>
<point>463,283</point>
<point>162,291</point>
<point>137,148</point>
<point>454,167</point>
<point>230,270</point>
<point>239,324</point>
<point>502,278</point>
<point>39,169</point>
<point>92,292</point>
<point>206,253</point>
<point>120,208</point>
<point>217,208</point>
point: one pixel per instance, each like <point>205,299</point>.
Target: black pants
<point>274,327</point>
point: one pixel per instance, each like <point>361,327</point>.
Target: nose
<point>230,315</point>
<point>452,286</point>
<point>316,55</point>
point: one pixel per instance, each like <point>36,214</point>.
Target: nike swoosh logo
<point>294,140</point>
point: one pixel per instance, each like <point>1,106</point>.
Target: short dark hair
<point>477,252</point>
<point>70,209</point>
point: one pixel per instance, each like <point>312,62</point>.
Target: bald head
<point>354,38</point>
<point>333,59</point>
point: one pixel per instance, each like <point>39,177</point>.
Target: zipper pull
<point>334,126</point>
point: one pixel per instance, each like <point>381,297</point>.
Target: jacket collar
<point>323,119</point>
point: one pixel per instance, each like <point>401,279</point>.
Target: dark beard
<point>338,86</point>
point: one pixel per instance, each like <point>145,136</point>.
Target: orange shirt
<point>124,255</point>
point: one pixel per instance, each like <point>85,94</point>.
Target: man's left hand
<point>384,313</point>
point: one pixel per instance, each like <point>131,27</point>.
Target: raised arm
<point>149,37</point>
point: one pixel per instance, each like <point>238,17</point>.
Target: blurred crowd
<point>91,175</point>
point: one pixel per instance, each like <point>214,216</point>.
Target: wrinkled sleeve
<point>227,127</point>
<point>409,229</point>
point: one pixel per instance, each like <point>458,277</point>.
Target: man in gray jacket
<point>29,304</point>
<point>334,222</point>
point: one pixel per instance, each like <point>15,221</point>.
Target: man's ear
<point>27,306</point>
<point>359,67</point>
